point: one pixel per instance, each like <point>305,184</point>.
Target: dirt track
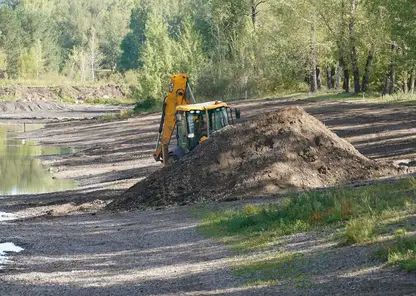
<point>130,256</point>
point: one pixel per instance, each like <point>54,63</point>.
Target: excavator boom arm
<point>177,95</point>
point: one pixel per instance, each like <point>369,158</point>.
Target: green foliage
<point>157,58</point>
<point>32,62</point>
<point>131,45</point>
<point>229,50</point>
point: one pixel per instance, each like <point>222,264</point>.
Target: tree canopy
<point>237,48</point>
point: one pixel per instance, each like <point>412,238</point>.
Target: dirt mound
<point>76,93</point>
<point>275,152</point>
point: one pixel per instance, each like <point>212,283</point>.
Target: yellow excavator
<point>194,122</point>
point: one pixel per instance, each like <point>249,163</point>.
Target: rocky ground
<point>71,247</point>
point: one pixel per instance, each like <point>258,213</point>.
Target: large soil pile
<point>275,152</point>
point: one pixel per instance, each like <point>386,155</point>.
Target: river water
<point>21,171</point>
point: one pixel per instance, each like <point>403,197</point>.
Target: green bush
<point>148,105</point>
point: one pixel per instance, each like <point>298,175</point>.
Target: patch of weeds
<point>67,100</point>
<point>271,270</point>
<point>334,96</point>
<point>359,230</point>
<point>256,226</point>
<point>122,115</point>
<point>397,98</point>
<point>109,101</point>
<point>402,252</point>
<point>7,99</point>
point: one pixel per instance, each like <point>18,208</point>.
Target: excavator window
<point>181,133</point>
<point>196,127</point>
<point>192,126</point>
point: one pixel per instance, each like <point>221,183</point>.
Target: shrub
<point>359,230</point>
<point>147,105</point>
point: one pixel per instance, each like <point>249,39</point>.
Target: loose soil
<point>279,151</point>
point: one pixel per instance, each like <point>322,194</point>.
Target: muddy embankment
<point>61,101</point>
<point>61,93</point>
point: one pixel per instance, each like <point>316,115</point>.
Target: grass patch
<point>357,209</point>
<point>123,114</point>
<point>7,99</point>
<point>110,101</point>
<point>396,99</point>
<point>271,270</point>
<point>402,252</point>
<point>68,100</point>
<point>357,215</point>
<point>341,96</point>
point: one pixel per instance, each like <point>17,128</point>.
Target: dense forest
<point>237,48</point>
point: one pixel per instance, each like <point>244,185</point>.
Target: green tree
<point>133,42</point>
<point>157,58</point>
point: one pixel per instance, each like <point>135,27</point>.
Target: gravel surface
<point>161,253</point>
<point>132,253</point>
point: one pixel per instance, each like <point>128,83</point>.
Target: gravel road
<point>161,253</point>
<point>148,253</point>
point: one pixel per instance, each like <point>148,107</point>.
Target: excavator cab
<point>196,122</point>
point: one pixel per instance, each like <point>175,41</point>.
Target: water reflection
<point>20,171</point>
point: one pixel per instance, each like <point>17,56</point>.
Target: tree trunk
<point>346,85</point>
<point>318,78</point>
<point>92,53</point>
<point>366,76</point>
<point>412,82</point>
<point>332,76</point>
<point>355,71</point>
<point>405,81</point>
<point>83,67</point>
<point>392,78</point>
<point>329,84</point>
<point>385,86</point>
<point>339,74</point>
<point>354,60</point>
<point>314,80</point>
